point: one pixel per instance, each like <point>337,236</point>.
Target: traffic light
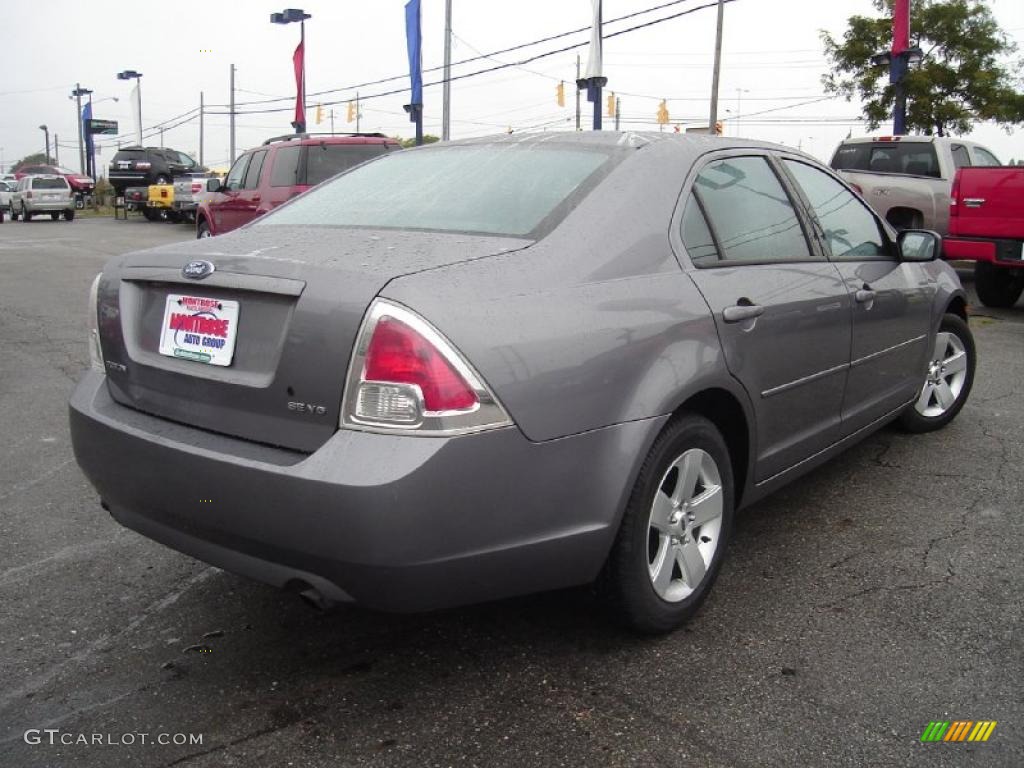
<point>319,114</point>
<point>611,105</point>
<point>718,128</point>
<point>663,113</point>
<point>560,93</point>
<point>351,112</point>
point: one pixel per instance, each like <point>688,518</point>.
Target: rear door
<point>892,300</point>
<point>283,177</point>
<point>781,309</point>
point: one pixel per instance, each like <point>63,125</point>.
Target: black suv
<point>142,166</point>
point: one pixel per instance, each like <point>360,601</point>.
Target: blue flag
<point>86,117</point>
<point>414,41</point>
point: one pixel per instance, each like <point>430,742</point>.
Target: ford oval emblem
<point>197,270</point>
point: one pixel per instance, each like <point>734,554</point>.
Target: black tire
<point>998,287</point>
<point>26,215</point>
<point>55,215</point>
<point>626,581</point>
<point>202,229</point>
<point>14,213</point>
<point>69,215</point>
<point>151,214</point>
<point>916,417</point>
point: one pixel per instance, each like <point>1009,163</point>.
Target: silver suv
<point>42,194</point>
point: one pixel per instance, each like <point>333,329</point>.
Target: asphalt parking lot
<point>879,593</point>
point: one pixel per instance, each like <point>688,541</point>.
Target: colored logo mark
<point>958,730</point>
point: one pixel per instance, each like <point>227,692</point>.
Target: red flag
<point>900,27</point>
<point>300,86</point>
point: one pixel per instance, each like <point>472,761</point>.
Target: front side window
<point>185,159</point>
<point>237,173</point>
<point>750,213</point>
<point>504,189</point>
<point>851,230</point>
<point>252,176</point>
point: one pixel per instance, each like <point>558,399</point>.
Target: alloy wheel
<point>947,372</point>
<point>684,525</point>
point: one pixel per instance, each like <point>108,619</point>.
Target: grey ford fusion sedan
<point>498,366</point>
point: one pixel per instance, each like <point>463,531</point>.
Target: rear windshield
<point>488,189</point>
<point>326,160</point>
<point>915,158</point>
<point>129,154</point>
<point>49,184</point>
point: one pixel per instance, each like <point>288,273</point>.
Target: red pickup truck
<point>986,226</point>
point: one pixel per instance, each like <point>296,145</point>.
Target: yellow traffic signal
<point>611,105</point>
<point>718,128</point>
<point>663,118</point>
<point>560,93</point>
<point>319,114</point>
<point>351,114</point>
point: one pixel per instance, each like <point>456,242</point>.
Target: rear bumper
<point>398,523</point>
<point>49,206</point>
<point>1005,253</point>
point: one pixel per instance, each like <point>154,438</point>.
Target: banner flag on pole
<point>136,110</point>
<point>86,117</point>
<point>300,87</point>
<point>414,42</point>
<point>594,61</point>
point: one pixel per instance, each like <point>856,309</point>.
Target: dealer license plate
<point>199,329</point>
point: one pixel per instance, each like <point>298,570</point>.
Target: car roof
<point>306,139</point>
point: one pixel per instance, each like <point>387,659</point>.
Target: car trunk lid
<point>301,294</point>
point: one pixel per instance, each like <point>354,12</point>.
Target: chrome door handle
<point>865,295</point>
<point>974,202</point>
<point>741,312</point>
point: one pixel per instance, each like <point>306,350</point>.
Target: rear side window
<point>960,157</point>
<point>49,184</point>
<point>252,176</point>
<point>851,231</point>
<point>748,210</point>
<point>286,167</point>
<point>985,158</point>
<point>326,160</point>
<point>696,235</point>
<point>504,189</point>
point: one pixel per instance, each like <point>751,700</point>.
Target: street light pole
<point>287,16</point>
<point>713,118</point>
<point>447,95</point>
<point>46,131</point>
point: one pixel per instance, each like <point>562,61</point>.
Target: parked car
<point>491,367</point>
<point>190,191</point>
<point>986,226</point>
<point>908,179</point>
<point>42,194</point>
<point>141,166</point>
<point>283,167</point>
<point>80,184</point>
<point>5,196</point>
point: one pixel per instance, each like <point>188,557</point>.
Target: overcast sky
<point>772,64</point>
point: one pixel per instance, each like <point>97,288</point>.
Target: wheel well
<point>725,412</point>
<point>905,218</point>
<point>958,307</point>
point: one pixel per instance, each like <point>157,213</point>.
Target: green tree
<point>965,75</point>
<point>36,158</point>
<point>428,138</point>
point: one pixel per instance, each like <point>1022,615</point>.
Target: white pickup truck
<point>908,179</point>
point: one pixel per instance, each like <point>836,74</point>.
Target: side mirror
<point>213,185</point>
<point>919,245</point>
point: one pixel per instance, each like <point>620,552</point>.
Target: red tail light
<point>196,187</point>
<point>142,166</point>
<point>954,195</point>
<point>399,355</point>
<point>406,376</point>
<point>858,189</point>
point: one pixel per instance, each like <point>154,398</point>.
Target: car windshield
<point>502,190</point>
<point>49,184</point>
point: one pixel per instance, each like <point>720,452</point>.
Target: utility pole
<point>56,150</point>
<point>618,111</point>
<point>359,112</point>
<point>161,138</point>
<point>202,111</point>
<point>578,127</point>
<point>716,72</point>
<point>898,64</point>
<point>446,117</point>
<point>231,110</point>
<point>332,121</point>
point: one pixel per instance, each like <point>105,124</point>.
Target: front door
<point>781,310</point>
<point>226,209</point>
<point>892,300</point>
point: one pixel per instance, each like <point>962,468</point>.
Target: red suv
<point>79,183</point>
<point>283,167</point>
